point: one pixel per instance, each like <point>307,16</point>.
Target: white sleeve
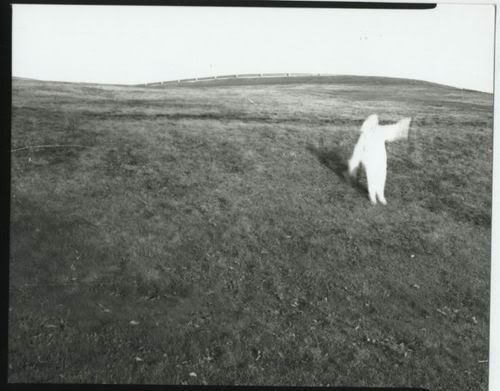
<point>397,131</point>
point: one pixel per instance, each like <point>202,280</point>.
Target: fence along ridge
<point>232,76</point>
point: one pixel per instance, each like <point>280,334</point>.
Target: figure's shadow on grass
<point>335,158</point>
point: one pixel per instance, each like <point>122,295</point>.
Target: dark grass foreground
<point>207,235</point>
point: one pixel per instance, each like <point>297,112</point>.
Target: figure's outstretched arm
<point>397,131</point>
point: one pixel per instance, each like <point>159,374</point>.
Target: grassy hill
<point>206,235</point>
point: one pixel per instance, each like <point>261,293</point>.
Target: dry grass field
<point>204,234</point>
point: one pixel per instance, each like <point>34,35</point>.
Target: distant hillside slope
<point>250,79</point>
<point>255,79</point>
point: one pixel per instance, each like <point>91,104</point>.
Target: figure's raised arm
<point>397,131</point>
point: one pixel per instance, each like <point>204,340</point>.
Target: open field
<point>205,235</point>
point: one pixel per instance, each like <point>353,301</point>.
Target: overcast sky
<point>452,44</point>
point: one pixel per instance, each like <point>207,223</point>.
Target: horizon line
<point>239,76</point>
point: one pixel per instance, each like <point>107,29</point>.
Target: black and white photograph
<point>273,195</point>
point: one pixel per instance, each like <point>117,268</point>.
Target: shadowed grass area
<point>207,235</point>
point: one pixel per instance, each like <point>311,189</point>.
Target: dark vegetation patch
<point>219,116</point>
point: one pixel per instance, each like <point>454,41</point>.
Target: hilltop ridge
<point>270,79</point>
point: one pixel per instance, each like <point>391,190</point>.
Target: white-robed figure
<point>370,153</point>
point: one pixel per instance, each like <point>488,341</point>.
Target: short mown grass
<point>206,235</point>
